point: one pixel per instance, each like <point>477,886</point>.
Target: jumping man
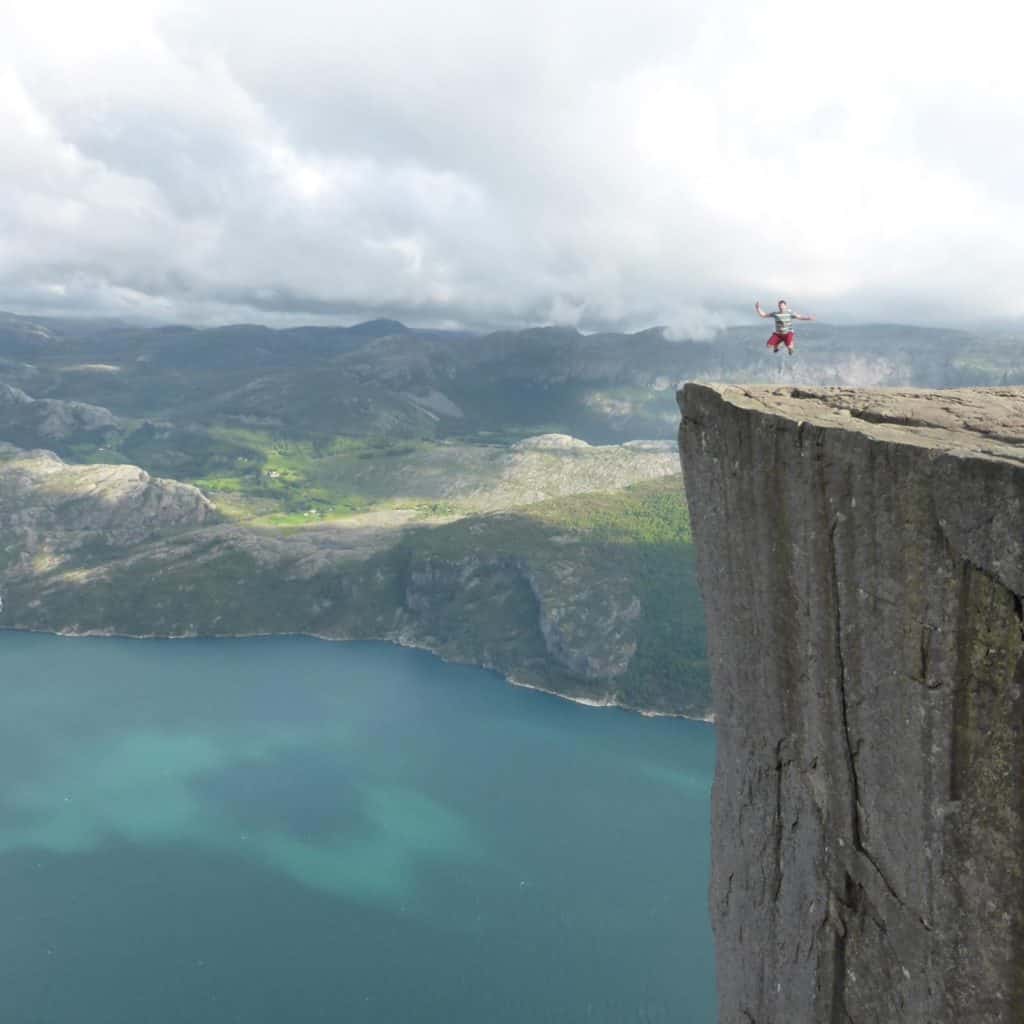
<point>783,325</point>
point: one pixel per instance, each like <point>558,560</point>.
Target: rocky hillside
<point>383,379</point>
<point>50,511</point>
<point>43,421</point>
<point>861,556</point>
<point>565,594</point>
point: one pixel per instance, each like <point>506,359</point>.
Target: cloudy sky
<point>503,162</point>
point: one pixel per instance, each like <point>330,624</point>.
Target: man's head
<point>783,305</point>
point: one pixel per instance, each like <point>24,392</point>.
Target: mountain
<point>557,593</point>
<point>483,495</point>
<point>28,421</point>
<point>383,378</point>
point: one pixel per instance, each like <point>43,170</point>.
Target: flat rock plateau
<point>861,557</point>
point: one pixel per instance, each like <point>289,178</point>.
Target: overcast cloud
<point>501,162</point>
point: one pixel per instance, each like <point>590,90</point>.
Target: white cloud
<point>511,162</point>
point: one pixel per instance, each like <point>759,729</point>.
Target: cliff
<point>861,557</point>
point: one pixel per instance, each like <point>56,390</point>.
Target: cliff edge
<point>861,557</point>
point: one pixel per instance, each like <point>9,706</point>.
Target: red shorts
<point>781,339</point>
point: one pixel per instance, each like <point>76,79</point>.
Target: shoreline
<point>587,702</point>
<point>590,703</point>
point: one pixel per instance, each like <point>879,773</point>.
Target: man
<point>783,325</point>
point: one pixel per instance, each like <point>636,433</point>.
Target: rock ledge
<point>861,555</point>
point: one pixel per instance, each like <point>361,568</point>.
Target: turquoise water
<point>288,830</point>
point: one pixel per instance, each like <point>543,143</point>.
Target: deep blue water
<point>288,830</point>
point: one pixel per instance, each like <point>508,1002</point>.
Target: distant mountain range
<point>471,493</point>
<point>382,378</point>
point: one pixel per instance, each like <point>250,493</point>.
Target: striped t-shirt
<point>783,322</point>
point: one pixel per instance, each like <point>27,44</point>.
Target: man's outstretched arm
<point>802,316</point>
<point>759,311</point>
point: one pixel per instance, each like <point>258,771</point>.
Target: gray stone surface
<point>48,506</point>
<point>52,419</point>
<point>861,556</point>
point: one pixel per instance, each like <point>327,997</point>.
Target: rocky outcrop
<point>49,508</point>
<point>861,556</point>
<point>48,419</point>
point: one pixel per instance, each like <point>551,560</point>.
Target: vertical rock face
<point>861,556</point>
